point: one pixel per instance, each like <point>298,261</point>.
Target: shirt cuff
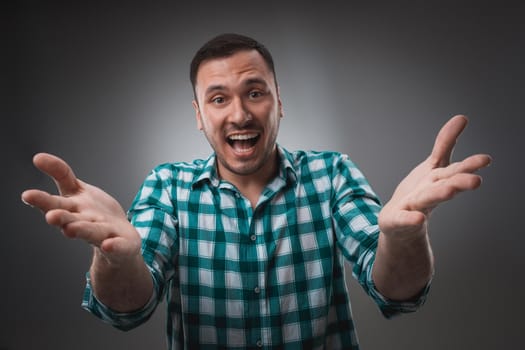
<point>121,320</point>
<point>391,308</point>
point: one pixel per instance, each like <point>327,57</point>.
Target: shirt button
<point>257,290</point>
<point>259,343</point>
<point>253,238</point>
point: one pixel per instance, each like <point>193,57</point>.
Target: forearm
<point>123,287</point>
<point>402,267</point>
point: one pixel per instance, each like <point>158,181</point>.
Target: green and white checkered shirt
<point>270,277</point>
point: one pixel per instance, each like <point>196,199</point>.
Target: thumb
<point>59,170</point>
<point>119,246</point>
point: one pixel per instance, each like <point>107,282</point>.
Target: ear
<point>198,116</point>
<point>279,102</point>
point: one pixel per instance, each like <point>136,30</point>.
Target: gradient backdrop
<point>106,87</point>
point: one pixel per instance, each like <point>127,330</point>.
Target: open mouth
<point>243,142</point>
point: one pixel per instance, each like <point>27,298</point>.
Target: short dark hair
<point>224,45</point>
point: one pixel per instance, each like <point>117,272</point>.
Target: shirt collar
<point>208,173</point>
<point>209,170</point>
<point>286,168</point>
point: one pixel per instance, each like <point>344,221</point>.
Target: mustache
<point>246,125</point>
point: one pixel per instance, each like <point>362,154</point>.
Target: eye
<point>255,94</point>
<point>218,100</point>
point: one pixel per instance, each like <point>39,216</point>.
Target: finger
<point>468,165</point>
<point>446,140</point>
<point>115,245</point>
<point>91,232</point>
<point>79,226</point>
<point>45,201</point>
<point>61,217</point>
<point>444,190</point>
<point>59,170</point>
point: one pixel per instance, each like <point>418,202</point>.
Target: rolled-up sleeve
<point>121,320</point>
<point>390,308</point>
<point>152,215</point>
<point>355,213</point>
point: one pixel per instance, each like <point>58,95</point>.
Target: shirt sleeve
<point>355,211</point>
<point>121,320</point>
<point>152,213</point>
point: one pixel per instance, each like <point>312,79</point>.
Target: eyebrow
<point>247,82</point>
<point>253,81</point>
<point>213,88</point>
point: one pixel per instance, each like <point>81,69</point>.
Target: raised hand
<point>119,276</point>
<point>432,182</point>
<point>404,261</point>
<point>84,211</point>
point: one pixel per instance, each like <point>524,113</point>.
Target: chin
<point>243,168</point>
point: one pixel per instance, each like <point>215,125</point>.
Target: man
<point>249,245</point>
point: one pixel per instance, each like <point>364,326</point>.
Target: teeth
<point>242,137</point>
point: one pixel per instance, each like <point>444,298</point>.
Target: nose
<point>239,115</point>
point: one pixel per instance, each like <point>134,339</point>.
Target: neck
<point>252,185</point>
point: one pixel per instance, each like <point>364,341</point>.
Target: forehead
<point>237,67</point>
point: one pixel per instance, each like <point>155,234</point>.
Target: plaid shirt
<point>270,277</point>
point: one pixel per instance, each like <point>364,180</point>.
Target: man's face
<point>238,108</point>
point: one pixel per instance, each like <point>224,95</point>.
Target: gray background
<point>106,88</point>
